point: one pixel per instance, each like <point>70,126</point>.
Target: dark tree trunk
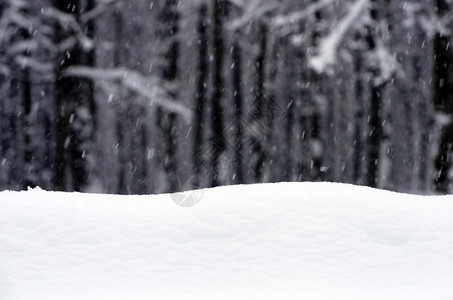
<point>376,88</point>
<point>143,185</point>
<point>442,162</point>
<point>236,57</point>
<point>424,117</point>
<point>168,30</point>
<point>80,127</point>
<point>273,111</point>
<point>29,177</point>
<point>11,146</point>
<point>91,62</point>
<point>305,110</point>
<point>358,120</point>
<point>72,116</point>
<point>375,136</point>
<point>200,96</point>
<point>443,98</point>
<point>289,130</point>
<point>289,125</point>
<point>443,65</point>
<point>259,110</point>
<point>217,110</point>
<point>121,114</point>
<point>90,57</point>
<point>137,152</point>
<point>316,141</point>
<point>3,130</point>
<point>62,92</point>
<point>303,168</point>
<point>316,147</point>
<point>170,160</point>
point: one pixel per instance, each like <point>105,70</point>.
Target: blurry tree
<point>238,104</point>
<point>218,142</point>
<point>168,33</point>
<point>291,90</point>
<point>73,98</point>
<point>260,107</point>
<point>378,79</point>
<point>202,73</point>
<point>120,105</point>
<point>443,91</point>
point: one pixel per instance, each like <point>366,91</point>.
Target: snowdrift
<point>269,241</point>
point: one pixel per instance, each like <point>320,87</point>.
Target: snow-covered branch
<point>98,10</point>
<point>443,24</point>
<point>297,16</point>
<point>68,21</point>
<point>33,64</point>
<point>65,20</point>
<point>23,46</point>
<point>4,70</point>
<point>328,48</point>
<point>149,87</point>
<point>252,10</point>
<point>382,60</point>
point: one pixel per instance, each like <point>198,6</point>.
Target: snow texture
<point>272,241</point>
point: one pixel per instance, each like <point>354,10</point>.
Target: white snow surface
<point>268,241</point>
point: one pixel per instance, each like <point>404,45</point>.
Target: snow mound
<point>269,241</point>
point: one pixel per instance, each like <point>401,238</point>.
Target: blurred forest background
<point>134,97</point>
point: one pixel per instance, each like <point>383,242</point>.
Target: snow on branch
<point>328,48</point>
<point>98,10</point>
<point>4,69</point>
<point>64,19</point>
<point>443,24</point>
<point>297,16</point>
<point>28,62</point>
<point>68,21</point>
<point>253,10</point>
<point>149,87</point>
<point>381,59</point>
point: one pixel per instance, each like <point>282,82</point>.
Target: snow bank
<point>273,241</point>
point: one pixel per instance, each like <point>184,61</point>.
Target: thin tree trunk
<point>169,30</point>
<point>358,120</point>
<point>121,114</point>
<point>200,96</point>
<point>316,141</point>
<point>424,118</point>
<point>238,107</point>
<point>71,125</point>
<point>375,117</point>
<point>217,110</point>
<point>443,98</point>
<point>28,180</point>
<point>258,112</point>
<point>91,96</point>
